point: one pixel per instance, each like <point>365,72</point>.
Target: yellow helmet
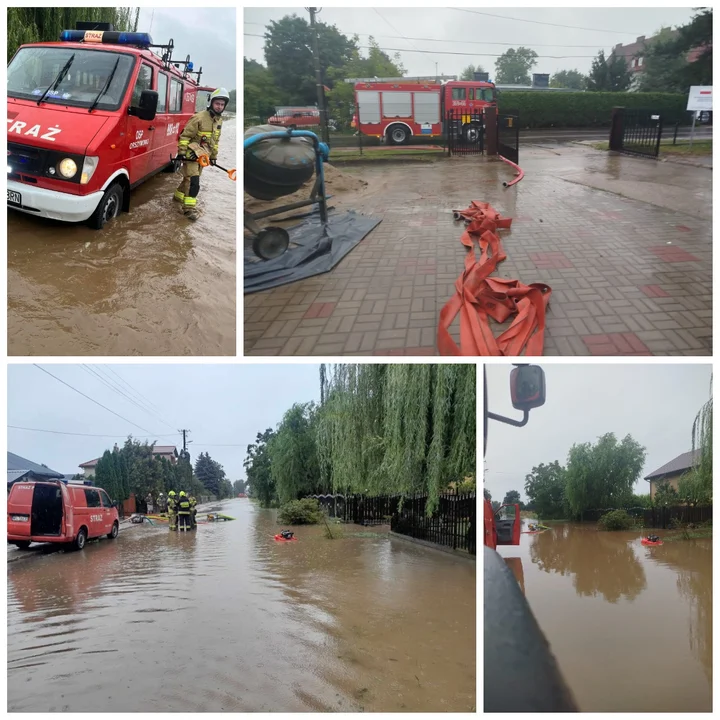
<point>171,493</point>
<point>182,493</point>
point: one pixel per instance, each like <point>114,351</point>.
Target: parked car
<point>56,512</point>
<point>704,117</point>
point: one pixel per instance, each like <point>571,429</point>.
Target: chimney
<point>641,39</point>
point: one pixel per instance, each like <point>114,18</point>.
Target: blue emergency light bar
<point>142,40</point>
<point>189,66</point>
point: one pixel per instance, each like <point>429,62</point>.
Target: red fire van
<point>52,511</point>
<point>91,117</point>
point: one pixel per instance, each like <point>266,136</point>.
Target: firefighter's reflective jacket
<point>203,129</point>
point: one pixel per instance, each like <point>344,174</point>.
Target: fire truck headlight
<point>67,168</point>
<point>89,166</point>
<point>9,170</point>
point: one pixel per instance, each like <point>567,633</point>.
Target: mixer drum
<point>275,167</point>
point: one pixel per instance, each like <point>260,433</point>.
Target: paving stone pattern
<point>628,278</point>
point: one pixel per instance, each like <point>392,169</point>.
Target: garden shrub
<point>589,109</point>
<point>616,520</point>
<point>301,512</point>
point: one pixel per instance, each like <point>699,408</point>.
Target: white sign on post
<point>700,98</point>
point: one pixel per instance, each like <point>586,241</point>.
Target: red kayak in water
<point>645,541</point>
<point>280,538</point>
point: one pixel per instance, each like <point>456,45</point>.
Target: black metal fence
<point>465,131</point>
<point>509,136</point>
<point>636,132</point>
<point>451,525</point>
<point>657,517</point>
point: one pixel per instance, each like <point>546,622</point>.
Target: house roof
<point>157,450</point>
<point>18,467</point>
<point>680,464</point>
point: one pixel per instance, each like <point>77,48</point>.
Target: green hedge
<point>589,109</point>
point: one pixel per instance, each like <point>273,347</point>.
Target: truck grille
<point>26,160</point>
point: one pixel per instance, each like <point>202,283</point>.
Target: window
<point>105,499</point>
<point>34,69</point>
<point>162,92</point>
<point>458,93</point>
<point>92,498</point>
<point>176,96</point>
<point>640,62</point>
<point>143,82</point>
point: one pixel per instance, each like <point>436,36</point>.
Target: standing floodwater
<point>227,619</point>
<point>630,626</point>
<point>150,283</point>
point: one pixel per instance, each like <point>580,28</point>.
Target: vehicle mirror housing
<point>527,387</point>
<point>147,107</point>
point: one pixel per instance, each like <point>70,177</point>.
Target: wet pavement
<point>226,619</point>
<point>149,283</point>
<point>630,626</point>
<point>624,242</point>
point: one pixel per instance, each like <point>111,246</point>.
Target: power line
<point>392,27</point>
<point>540,22</point>
<point>109,382</point>
<point>91,399</point>
<point>149,403</point>
<point>449,52</point>
<point>63,432</point>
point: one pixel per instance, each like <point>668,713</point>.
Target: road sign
<point>700,98</point>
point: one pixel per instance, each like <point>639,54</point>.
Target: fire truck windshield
<point>33,69</point>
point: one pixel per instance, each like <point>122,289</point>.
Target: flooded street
<point>227,619</point>
<point>630,626</point>
<point>150,283</point>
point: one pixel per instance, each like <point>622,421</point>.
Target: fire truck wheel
<point>114,532</point>
<point>80,539</point>
<point>398,135</point>
<point>271,242</point>
<point>108,208</point>
<point>471,133</point>
<point>22,544</point>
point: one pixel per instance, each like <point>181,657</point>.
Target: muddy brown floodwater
<point>630,626</point>
<point>149,283</point>
<point>227,619</point>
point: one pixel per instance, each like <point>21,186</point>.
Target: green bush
<point>301,512</point>
<point>616,520</point>
<point>589,109</point>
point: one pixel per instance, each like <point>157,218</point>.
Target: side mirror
<point>527,387</point>
<point>147,107</point>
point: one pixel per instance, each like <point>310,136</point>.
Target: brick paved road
<point>628,277</point>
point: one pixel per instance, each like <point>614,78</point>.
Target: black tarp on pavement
<point>314,249</point>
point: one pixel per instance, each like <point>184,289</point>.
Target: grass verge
<point>682,149</point>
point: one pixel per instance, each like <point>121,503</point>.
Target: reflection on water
<point>226,619</point>
<point>631,626</point>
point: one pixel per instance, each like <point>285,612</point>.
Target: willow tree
<point>397,429</point>
<point>44,24</point>
<point>696,486</point>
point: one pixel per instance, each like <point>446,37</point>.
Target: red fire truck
<point>396,109</point>
<point>91,117</point>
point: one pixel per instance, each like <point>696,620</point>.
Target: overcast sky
<point>208,35</point>
<point>220,404</point>
<point>656,404</point>
<point>466,31</point>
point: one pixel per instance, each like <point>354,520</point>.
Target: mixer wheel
<point>271,242</point>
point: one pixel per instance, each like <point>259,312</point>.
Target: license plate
<point>14,197</point>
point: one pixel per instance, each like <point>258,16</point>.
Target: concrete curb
<point>662,158</point>
<point>432,546</point>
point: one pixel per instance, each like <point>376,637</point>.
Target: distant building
<point>633,55</point>
<point>672,472</point>
<point>169,452</point>
<point>19,468</point>
<point>540,82</point>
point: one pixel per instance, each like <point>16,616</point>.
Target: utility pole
<point>185,454</point>
<point>318,78</point>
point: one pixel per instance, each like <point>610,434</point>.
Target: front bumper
<point>52,204</point>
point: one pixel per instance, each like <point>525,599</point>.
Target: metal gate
<point>636,132</point>
<point>509,136</point>
<point>465,130</point>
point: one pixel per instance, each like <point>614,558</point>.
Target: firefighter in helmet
<point>184,512</point>
<point>201,136</point>
<point>172,510</point>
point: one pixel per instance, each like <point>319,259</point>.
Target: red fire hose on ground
<point>520,174</point>
<point>478,297</point>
